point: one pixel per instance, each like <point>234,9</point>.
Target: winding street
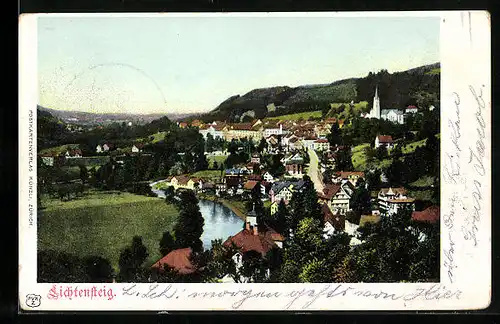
<point>313,171</point>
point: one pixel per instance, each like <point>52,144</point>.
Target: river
<point>220,221</point>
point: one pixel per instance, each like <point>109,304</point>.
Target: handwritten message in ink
<point>303,298</point>
<point>476,159</point>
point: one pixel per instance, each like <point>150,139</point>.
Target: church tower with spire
<point>375,112</point>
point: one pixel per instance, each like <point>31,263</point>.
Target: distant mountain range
<point>396,90</point>
<point>86,118</point>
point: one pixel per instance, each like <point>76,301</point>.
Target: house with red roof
<point>337,197</point>
<point>255,237</point>
<point>428,215</point>
<point>384,140</point>
<point>178,260</point>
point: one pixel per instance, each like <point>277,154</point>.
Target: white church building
<point>394,115</point>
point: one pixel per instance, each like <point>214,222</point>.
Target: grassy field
<point>358,107</point>
<point>103,223</point>
<point>425,181</point>
<point>304,115</point>
<point>211,174</point>
<point>216,158</point>
<point>60,149</point>
<point>359,158</point>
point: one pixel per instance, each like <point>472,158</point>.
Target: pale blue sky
<point>187,64</point>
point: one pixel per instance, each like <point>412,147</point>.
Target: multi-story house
<point>391,200</point>
<point>338,197</point>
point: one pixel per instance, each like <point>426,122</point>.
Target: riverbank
<point>236,206</point>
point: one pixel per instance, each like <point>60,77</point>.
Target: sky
<point>190,64</point>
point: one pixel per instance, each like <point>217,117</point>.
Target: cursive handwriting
<point>476,157</point>
<point>452,159</point>
<point>303,298</point>
<point>449,251</point>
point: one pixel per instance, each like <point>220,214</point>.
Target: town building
<point>384,140</point>
<point>254,237</point>
<point>337,197</point>
<point>136,148</point>
<point>396,116</point>
<point>321,144</point>
<point>351,176</point>
<point>391,200</point>
<point>375,111</point>
<point>214,129</point>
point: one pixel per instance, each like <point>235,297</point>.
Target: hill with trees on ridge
<point>416,86</point>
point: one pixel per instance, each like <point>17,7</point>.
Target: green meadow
<point>103,224</point>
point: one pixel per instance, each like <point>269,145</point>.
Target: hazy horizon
<point>172,65</point>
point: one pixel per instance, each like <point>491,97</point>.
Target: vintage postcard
<point>255,161</point>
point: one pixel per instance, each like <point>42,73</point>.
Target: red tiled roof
<point>249,185</point>
<point>430,215</point>
<point>246,241</point>
<point>385,138</point>
<point>183,180</point>
<point>329,191</point>
<point>346,174</point>
<point>321,140</point>
<point>178,260</point>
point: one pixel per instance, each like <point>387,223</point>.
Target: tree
<point>98,269</point>
<point>167,243</point>
<point>360,200</point>
<point>131,261</point>
<point>169,194</point>
<point>84,174</point>
<point>381,152</point>
<point>312,208</point>
<point>262,145</point>
<point>335,136</point>
<point>189,227</point>
<point>253,266</point>
<point>344,161</point>
<point>220,262</point>
<point>215,166</point>
<point>280,219</point>
<point>373,179</point>
<point>209,143</point>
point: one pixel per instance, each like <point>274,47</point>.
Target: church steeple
<point>375,112</point>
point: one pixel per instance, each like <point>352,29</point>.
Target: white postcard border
<point>465,199</point>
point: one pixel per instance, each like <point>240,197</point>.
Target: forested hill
<point>396,90</point>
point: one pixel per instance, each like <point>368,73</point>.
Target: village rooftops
<point>430,215</point>
<point>321,140</point>
<point>247,240</point>
<point>385,138</point>
<point>179,260</point>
